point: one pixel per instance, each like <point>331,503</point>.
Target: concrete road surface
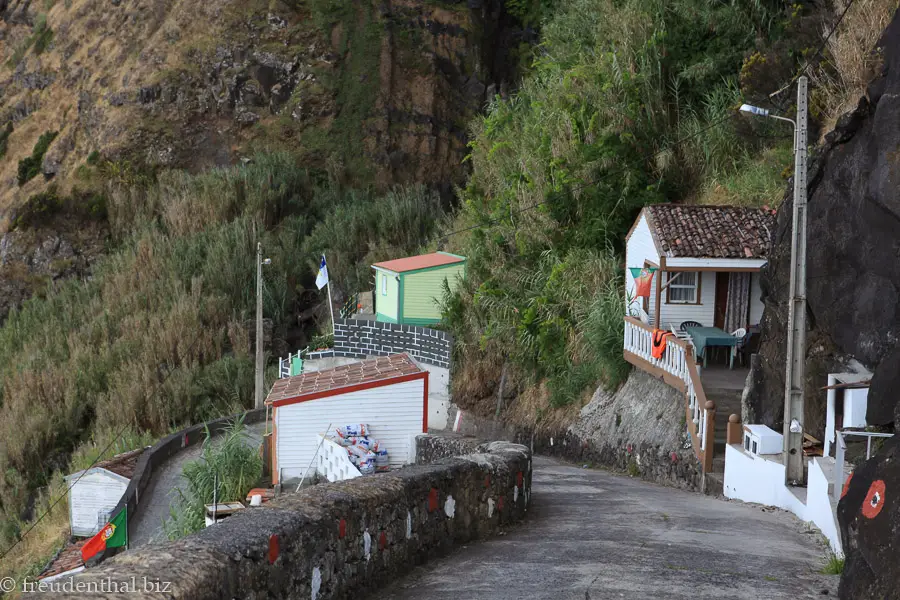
<point>156,500</point>
<point>594,535</point>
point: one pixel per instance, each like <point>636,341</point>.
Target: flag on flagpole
<point>322,277</point>
<point>113,535</point>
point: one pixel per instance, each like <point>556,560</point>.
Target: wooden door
<point>721,300</point>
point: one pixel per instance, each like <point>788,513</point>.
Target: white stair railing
<point>333,462</point>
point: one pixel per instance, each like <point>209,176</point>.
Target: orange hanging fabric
<point>658,345</point>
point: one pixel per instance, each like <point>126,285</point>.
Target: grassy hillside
<point>625,103</point>
<point>159,337</point>
<point>628,103</point>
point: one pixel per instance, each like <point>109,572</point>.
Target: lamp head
<point>754,110</point>
<point>267,261</point>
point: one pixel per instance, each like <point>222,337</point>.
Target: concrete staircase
<point>728,402</point>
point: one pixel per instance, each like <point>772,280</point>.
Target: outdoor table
<point>702,337</point>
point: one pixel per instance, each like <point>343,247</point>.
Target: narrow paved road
<point>157,499</point>
<point>593,535</point>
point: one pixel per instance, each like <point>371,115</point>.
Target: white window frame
<point>679,284</point>
<point>383,284</point>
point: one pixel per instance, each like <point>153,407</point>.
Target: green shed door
<point>387,296</point>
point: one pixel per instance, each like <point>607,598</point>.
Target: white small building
<point>708,260</point>
<point>388,394</point>
<point>95,492</point>
<point>847,401</point>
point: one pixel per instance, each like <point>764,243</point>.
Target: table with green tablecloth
<point>702,337</point>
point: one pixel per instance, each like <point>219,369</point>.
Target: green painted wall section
<point>386,305</point>
<point>423,289</point>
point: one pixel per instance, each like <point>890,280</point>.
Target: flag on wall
<point>112,535</point>
<point>643,277</point>
<point>322,277</point>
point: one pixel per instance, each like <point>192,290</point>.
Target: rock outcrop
<point>854,311</point>
<point>853,271</point>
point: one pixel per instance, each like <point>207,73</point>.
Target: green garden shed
<point>407,290</point>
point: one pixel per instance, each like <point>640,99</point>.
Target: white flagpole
<point>330,303</point>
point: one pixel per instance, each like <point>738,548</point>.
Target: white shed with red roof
<point>389,394</point>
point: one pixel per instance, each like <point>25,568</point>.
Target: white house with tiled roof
<point>389,394</point>
<point>708,260</point>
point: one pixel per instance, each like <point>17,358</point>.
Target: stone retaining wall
<point>358,338</point>
<point>433,447</point>
<point>332,540</point>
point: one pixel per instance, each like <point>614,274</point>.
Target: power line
<point>94,463</point>
<point>818,52</point>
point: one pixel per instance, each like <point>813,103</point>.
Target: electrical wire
<point>95,461</point>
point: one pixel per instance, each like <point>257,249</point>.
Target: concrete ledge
<point>433,447</point>
<point>332,540</point>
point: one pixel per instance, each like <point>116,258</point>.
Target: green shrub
<point>93,158</point>
<point>4,138</point>
<point>228,469</point>
<point>834,564</point>
<point>42,35</point>
<point>30,167</point>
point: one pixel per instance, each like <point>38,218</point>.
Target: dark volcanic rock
<point>868,514</point>
<point>853,256</point>
<point>854,313</point>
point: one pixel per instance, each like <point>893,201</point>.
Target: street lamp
<point>259,400</point>
<point>794,401</point>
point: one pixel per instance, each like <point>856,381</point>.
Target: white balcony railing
<point>679,369</point>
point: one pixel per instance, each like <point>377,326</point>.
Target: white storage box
<point>760,439</point>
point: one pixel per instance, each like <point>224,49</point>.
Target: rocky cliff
<point>854,310</point>
<point>370,92</point>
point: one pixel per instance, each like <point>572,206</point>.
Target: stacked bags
<point>366,454</point>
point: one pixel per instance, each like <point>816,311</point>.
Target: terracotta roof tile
<point>67,559</point>
<point>423,261</point>
<point>122,464</point>
<point>712,231</point>
<point>366,371</point>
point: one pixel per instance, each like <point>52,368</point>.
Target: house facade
<point>388,394</point>
<point>708,261</point>
<point>408,290</point>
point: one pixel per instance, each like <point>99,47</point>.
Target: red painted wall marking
<point>342,529</point>
<point>519,479</point>
<point>273,548</point>
<point>846,485</point>
<point>432,500</point>
<point>487,481</point>
<point>874,501</point>
<point>500,503</point>
<point>382,541</point>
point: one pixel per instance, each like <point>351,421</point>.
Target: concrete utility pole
<point>259,399</point>
<point>794,401</point>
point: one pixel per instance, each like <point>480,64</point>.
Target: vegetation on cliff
<point>625,104</point>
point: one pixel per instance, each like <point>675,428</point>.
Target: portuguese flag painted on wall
<point>113,535</point>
